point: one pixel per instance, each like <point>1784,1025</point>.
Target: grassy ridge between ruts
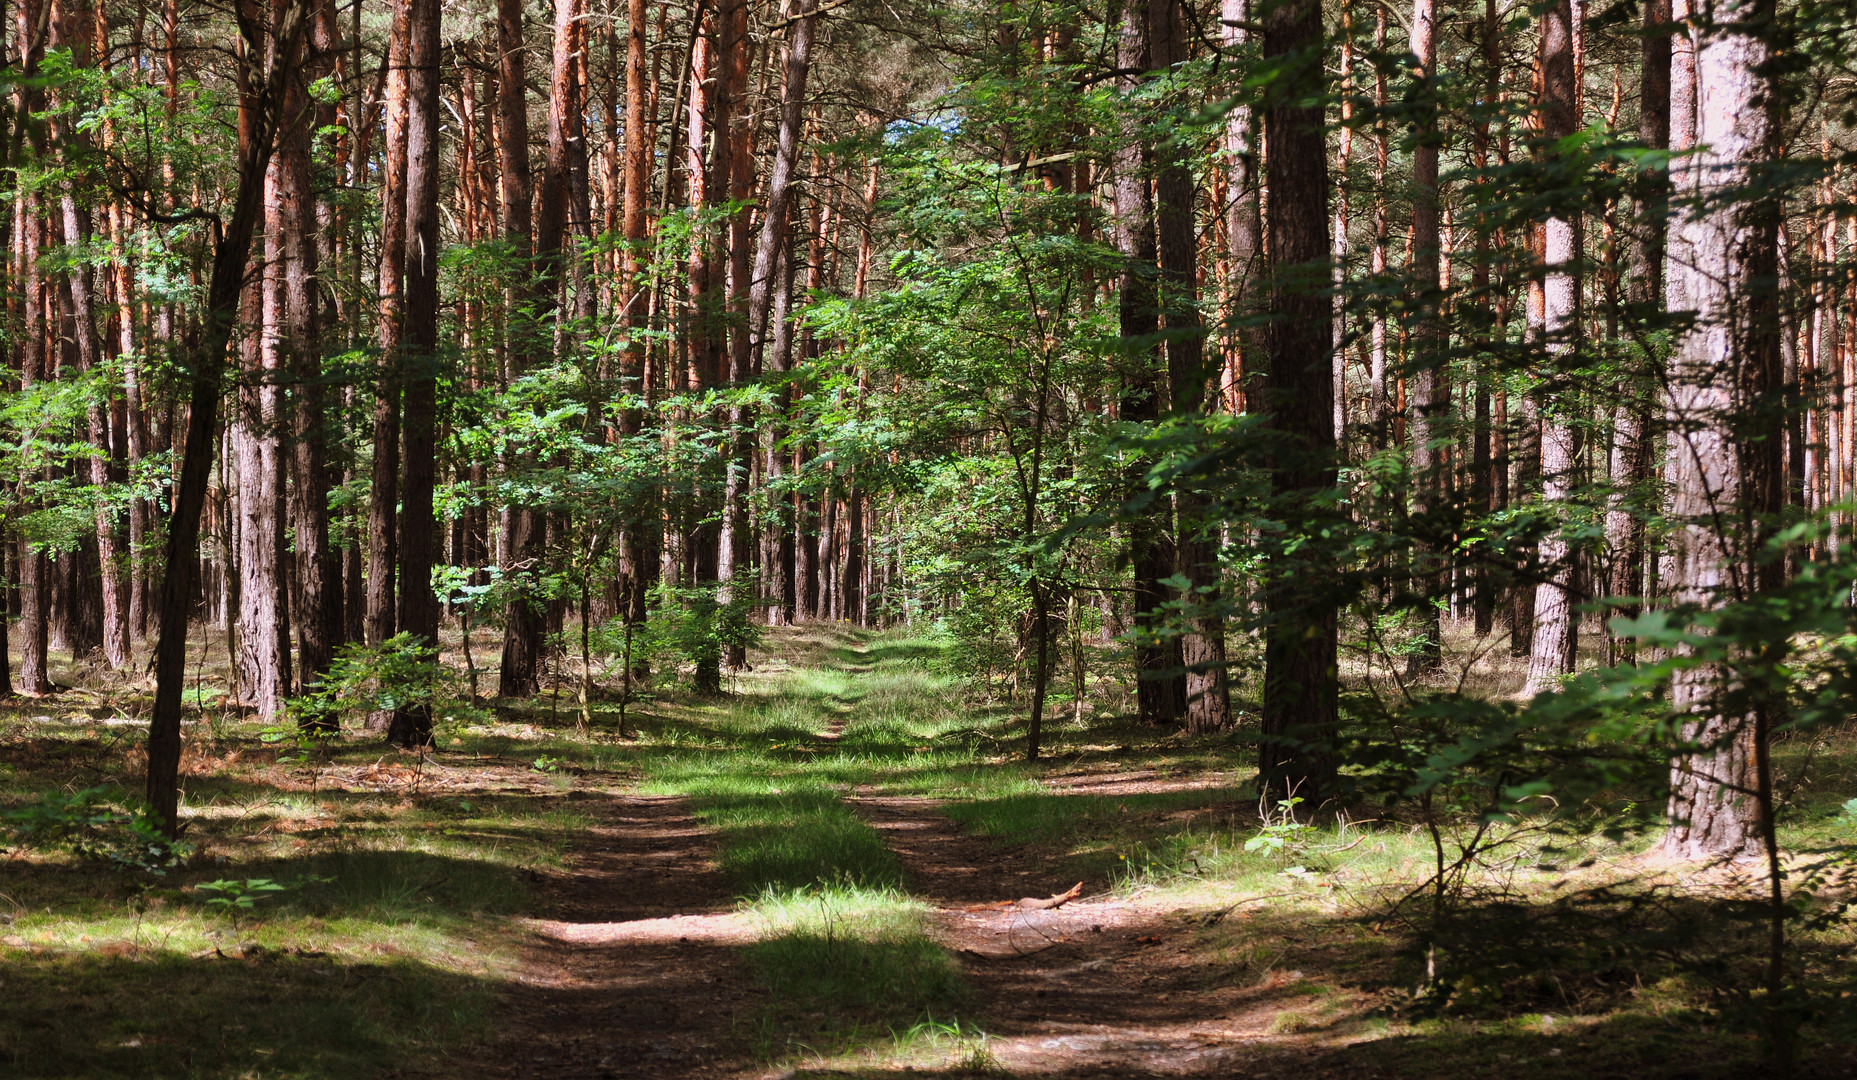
<point>846,954</point>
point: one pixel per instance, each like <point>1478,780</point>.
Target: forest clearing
<point>820,876</point>
<point>1079,538</point>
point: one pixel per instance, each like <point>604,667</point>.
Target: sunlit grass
<point>845,955</point>
<point>771,765</point>
<point>843,962</point>
<point>392,927</point>
<point>422,876</point>
<point>852,947</point>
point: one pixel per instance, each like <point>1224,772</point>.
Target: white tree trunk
<point>1719,479</point>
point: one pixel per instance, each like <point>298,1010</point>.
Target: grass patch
<point>125,1013</point>
<point>761,769</point>
<point>846,956</point>
<point>843,964</point>
<point>380,954</point>
<point>797,840</point>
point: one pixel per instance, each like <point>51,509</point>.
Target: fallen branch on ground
<point>1033,903</point>
<point>1210,917</point>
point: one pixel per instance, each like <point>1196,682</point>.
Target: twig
<point>1216,914</point>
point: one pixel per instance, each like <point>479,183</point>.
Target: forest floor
<point>820,874</point>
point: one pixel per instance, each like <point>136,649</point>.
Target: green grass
<point>760,769</point>
<point>854,972</point>
<point>794,840</point>
<point>854,949</point>
<point>846,956</point>
<point>392,962</point>
<point>383,952</point>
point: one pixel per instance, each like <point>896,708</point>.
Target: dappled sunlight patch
<point>344,910</point>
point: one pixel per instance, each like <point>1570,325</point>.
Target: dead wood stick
<point>1033,903</point>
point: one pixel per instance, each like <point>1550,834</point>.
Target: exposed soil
<point>1100,987</point>
<point>635,968</point>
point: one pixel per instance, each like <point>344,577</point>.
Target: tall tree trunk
<point>317,612</point>
<point>1484,461</point>
<point>1556,633</point>
<point>1244,225</point>
<point>263,621</point>
<point>1631,458</point>
<point>770,278</point>
<point>1725,470</point>
<point>734,543</point>
<point>1300,707</point>
<point>135,434</point>
<point>263,634</point>
<point>1380,400</point>
<point>418,607</point>
<point>1150,554</point>
<point>522,619</point>
<point>34,565</point>
<point>1429,373</point>
<point>384,490</point>
<point>69,29</point>
<point>638,561</point>
<point>1208,700</point>
<point>1344,156</point>
<point>258,113</point>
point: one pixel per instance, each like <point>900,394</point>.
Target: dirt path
<point>635,971</point>
<point>1098,988</point>
<point>636,967</point>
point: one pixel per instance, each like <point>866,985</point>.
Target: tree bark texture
<point>1300,707</point>
<point>1556,622</point>
<point>1202,645</point>
<point>1724,468</point>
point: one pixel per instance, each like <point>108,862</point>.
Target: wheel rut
<point>1100,987</point>
<point>634,965</point>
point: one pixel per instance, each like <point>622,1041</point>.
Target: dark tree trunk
<point>418,604</point>
<point>734,544</point>
<point>34,566</point>
<point>770,287</point>
<point>1208,700</point>
<point>317,612</point>
<point>638,562</point>
<point>1644,293</point>
<point>1300,707</point>
<point>1484,464</point>
<point>1150,553</point>
<point>522,631</point>
<point>258,121</point>
<point>69,28</point>
<point>384,490</point>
